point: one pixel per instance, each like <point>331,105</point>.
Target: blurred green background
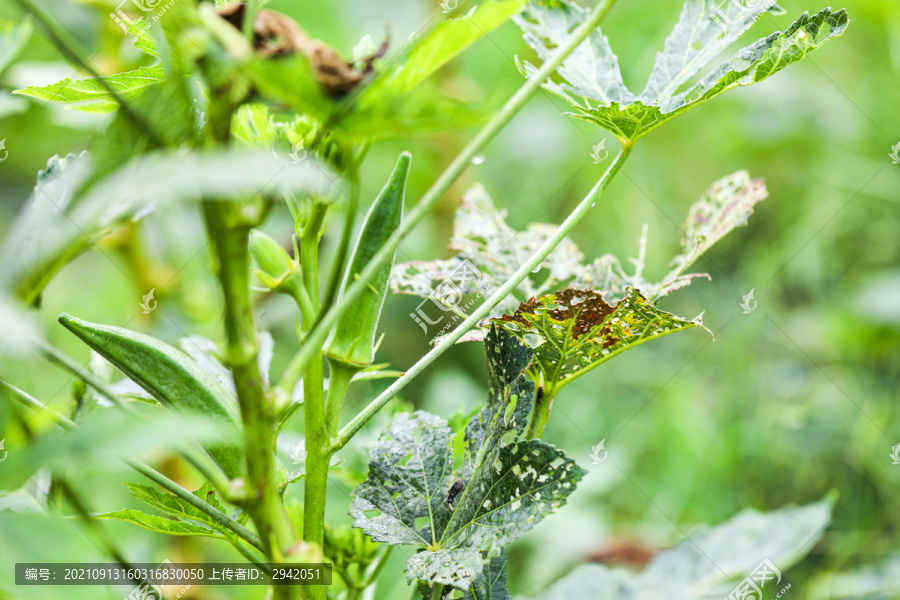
<point>790,402</point>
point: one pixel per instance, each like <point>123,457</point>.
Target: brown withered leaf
<point>276,34</point>
<point>573,331</point>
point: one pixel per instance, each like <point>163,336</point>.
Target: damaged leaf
<point>728,203</point>
<point>489,251</point>
<point>594,84</point>
<point>577,330</point>
<point>506,488</point>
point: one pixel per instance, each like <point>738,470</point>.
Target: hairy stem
<point>316,337</point>
<point>230,242</point>
<point>482,311</point>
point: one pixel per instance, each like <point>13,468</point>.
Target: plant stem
<point>340,258</point>
<point>57,356</point>
<point>436,590</point>
<point>316,337</point>
<point>541,414</point>
<point>340,375</point>
<point>482,311</point>
<point>230,242</point>
<point>219,517</point>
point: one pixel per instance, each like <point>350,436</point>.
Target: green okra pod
<point>353,339</point>
<point>176,380</point>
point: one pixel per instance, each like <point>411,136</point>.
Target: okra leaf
<point>708,564</point>
<point>594,84</point>
<point>445,41</point>
<point>726,204</point>
<point>489,251</point>
<point>176,507</point>
<point>159,524</point>
<point>127,85</point>
<point>499,492</point>
<point>578,330</point>
<point>13,37</point>
<point>491,583</point>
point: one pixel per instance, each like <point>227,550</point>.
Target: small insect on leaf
<point>454,491</point>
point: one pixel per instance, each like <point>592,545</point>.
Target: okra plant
<point>242,110</point>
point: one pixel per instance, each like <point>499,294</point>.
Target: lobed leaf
<point>505,489</point>
<point>445,41</point>
<point>707,565</point>
<point>127,85</point>
<point>159,524</point>
<point>594,84</point>
<point>726,204</point>
<point>578,330</point>
<point>176,507</point>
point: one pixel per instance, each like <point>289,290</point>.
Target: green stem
<point>55,355</point>
<point>219,517</point>
<point>541,414</point>
<point>482,311</point>
<point>249,21</point>
<point>340,258</point>
<point>230,243</point>
<point>340,375</point>
<point>436,590</point>
<point>317,336</point>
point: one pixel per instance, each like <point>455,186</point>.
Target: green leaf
<point>707,565</point>
<point>594,81</point>
<point>445,41</point>
<point>128,85</point>
<point>141,38</point>
<point>728,203</point>
<point>13,37</point>
<point>578,330</point>
<point>505,489</point>
<point>491,583</point>
<point>176,507</point>
<point>173,378</point>
<point>873,582</point>
<point>159,524</point>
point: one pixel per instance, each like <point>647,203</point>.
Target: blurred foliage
<point>791,401</point>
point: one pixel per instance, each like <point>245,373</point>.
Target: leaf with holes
<point>574,331</point>
<point>728,203</point>
<point>503,489</point>
<point>594,84</point>
<point>489,252</point>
